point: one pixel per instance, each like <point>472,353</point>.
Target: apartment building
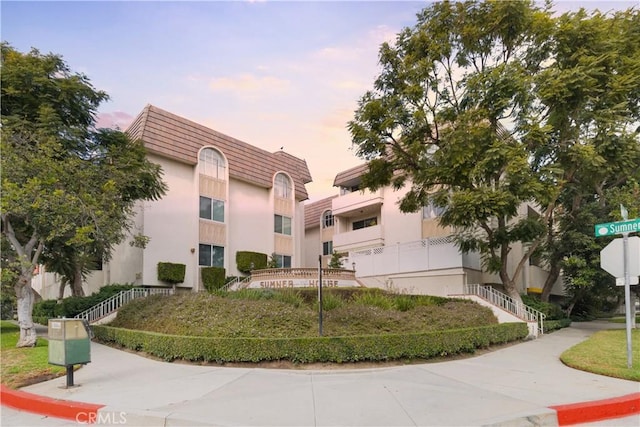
<point>224,196</point>
<point>392,249</point>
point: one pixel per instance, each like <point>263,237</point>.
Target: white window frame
<point>211,163</point>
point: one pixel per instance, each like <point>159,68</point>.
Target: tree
<point>335,261</point>
<point>436,121</point>
<point>66,186</point>
<point>586,125</point>
<point>486,107</point>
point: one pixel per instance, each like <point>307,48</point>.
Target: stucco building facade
<point>387,248</point>
<point>224,196</point>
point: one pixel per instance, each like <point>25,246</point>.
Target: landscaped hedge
<point>171,272</point>
<point>553,325</point>
<point>308,350</point>
<point>213,277</point>
<point>245,259</point>
<point>71,306</point>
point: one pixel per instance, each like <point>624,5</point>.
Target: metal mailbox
<point>69,342</point>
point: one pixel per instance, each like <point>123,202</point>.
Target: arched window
<point>327,219</point>
<point>211,163</point>
<point>282,186</point>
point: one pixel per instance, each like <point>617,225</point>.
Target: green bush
<point>404,302</point>
<point>553,325</point>
<point>310,350</point>
<point>244,260</point>
<point>374,298</point>
<point>170,272</point>
<point>552,311</point>
<point>330,301</point>
<point>213,278</point>
<point>71,306</point>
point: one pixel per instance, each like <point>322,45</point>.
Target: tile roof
<point>312,211</point>
<point>350,174</point>
<point>172,136</point>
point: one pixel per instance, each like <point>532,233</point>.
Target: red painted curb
<point>597,410</point>
<point>86,413</point>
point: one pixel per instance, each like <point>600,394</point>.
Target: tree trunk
<point>509,286</point>
<point>63,284</point>
<point>551,280</point>
<point>25,296</point>
<point>76,285</point>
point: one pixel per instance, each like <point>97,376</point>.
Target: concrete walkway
<point>513,386</point>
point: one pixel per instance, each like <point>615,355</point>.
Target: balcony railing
<point>422,255</point>
<point>369,236</point>
<point>354,202</point>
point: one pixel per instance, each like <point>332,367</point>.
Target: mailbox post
<point>69,344</point>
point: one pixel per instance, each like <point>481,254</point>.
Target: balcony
<point>352,203</point>
<point>362,238</point>
<point>423,255</point>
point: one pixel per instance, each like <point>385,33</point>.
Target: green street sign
<point>619,227</point>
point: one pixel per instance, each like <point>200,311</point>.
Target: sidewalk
<point>515,386</point>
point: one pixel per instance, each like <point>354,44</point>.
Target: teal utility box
<point>69,342</point>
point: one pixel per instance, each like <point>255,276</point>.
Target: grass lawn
<point>605,353</point>
<point>27,365</point>
<point>623,319</point>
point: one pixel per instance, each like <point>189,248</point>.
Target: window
<point>211,209</point>
<point>327,247</point>
<point>212,163</point>
<point>282,261</point>
<point>327,219</point>
<point>283,186</point>
<point>282,225</point>
<point>364,223</point>
<point>431,211</point>
<point>211,256</point>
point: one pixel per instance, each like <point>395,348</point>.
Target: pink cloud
<point>114,120</point>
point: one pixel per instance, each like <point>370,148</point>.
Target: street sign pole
<point>627,295</point>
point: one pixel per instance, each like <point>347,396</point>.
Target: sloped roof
<point>175,137</point>
<point>345,177</point>
<point>312,211</point>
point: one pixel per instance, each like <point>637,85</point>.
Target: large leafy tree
<point>485,107</point>
<point>437,121</point>
<point>586,127</point>
<point>66,186</point>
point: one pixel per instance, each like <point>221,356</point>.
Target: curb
<point>88,413</point>
<point>66,409</point>
<point>598,410</point>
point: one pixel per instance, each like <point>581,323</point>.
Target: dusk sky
<point>273,74</point>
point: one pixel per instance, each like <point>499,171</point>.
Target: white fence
<point>427,254</point>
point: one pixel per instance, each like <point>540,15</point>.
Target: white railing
<point>507,303</point>
<point>436,253</point>
<point>237,283</point>
<point>113,303</point>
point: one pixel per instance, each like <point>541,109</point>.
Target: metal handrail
<point>507,303</point>
<point>113,303</point>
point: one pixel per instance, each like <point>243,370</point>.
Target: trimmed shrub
<point>71,306</point>
<point>213,278</point>
<point>554,325</point>
<point>244,259</point>
<point>171,272</point>
<point>310,350</point>
<point>552,311</point>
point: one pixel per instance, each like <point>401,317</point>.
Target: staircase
<point>108,307</point>
<point>237,284</point>
<point>534,318</point>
